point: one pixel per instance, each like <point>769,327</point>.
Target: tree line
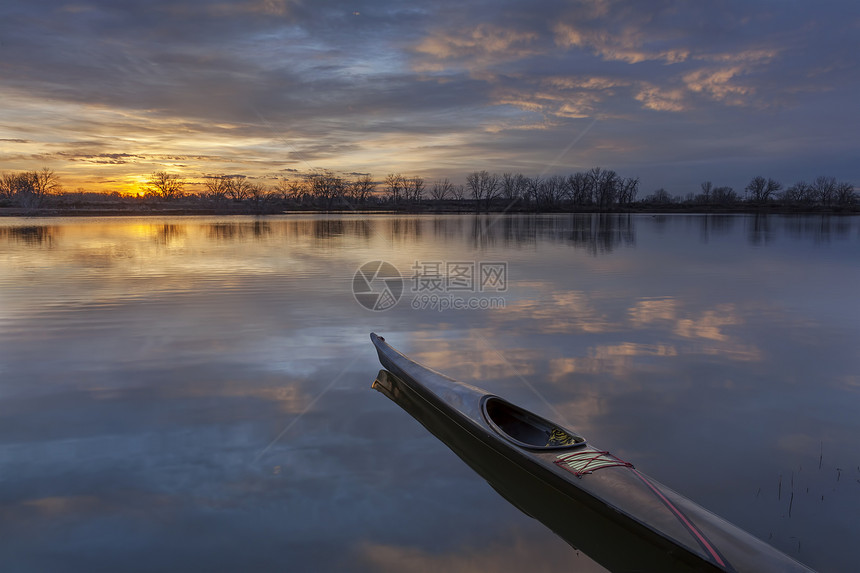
<point>824,192</point>
<point>600,188</point>
<point>597,189</point>
<point>28,189</point>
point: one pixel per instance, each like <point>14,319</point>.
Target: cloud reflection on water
<point>513,556</point>
<point>145,365</point>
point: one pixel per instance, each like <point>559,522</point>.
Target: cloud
<point>721,85</point>
<point>625,45</point>
<point>102,158</point>
<point>516,555</point>
<point>565,311</point>
<point>658,99</point>
<point>476,47</point>
<point>615,360</point>
<point>279,84</point>
<point>653,309</point>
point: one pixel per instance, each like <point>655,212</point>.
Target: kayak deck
<point>524,428</point>
<point>592,499</point>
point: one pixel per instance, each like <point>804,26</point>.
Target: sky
<point>673,92</point>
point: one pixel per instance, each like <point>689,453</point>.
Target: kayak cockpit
<point>526,429</point>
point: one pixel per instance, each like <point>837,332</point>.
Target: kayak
<point>595,501</point>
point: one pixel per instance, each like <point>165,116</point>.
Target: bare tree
<point>513,186</point>
<point>724,196</point>
<point>773,187</point>
<point>7,186</point>
<point>604,186</point>
<point>705,196</point>
<point>238,187</point>
<point>660,197</point>
<point>216,188</point>
<point>458,192</point>
<point>761,190</point>
<point>628,188</point>
<point>17,185</point>
<point>550,191</point>
<point>29,188</point>
<point>579,189</point>
<point>165,185</point>
<point>45,182</point>
<point>483,186</point>
<point>282,189</point>
<point>824,190</point>
<point>442,189</point>
<point>258,196</point>
<point>394,185</point>
<point>845,195</point>
<point>509,186</point>
<point>413,188</point>
<point>800,193</point>
<point>295,190</point>
<point>533,188</point>
<point>360,190</point>
<point>326,186</point>
<point>521,184</point>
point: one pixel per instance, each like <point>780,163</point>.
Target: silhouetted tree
<point>7,186</point>
<point>281,190</point>
<point>238,187</point>
<point>801,193</point>
<point>532,188</point>
<point>45,182</point>
<point>628,188</point>
<point>258,196</point>
<point>845,195</point>
<point>13,185</point>
<point>29,188</point>
<point>724,196</point>
<point>705,196</point>
<point>165,185</point>
<point>483,187</point>
<point>513,186</point>
<point>824,190</point>
<point>295,190</point>
<point>604,186</point>
<point>361,189</point>
<point>326,186</point>
<point>579,189</point>
<point>394,184</point>
<point>216,190</point>
<point>659,197</point>
<point>551,191</point>
<point>761,190</point>
<point>413,188</point>
<point>442,189</point>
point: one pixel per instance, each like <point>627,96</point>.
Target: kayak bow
<point>595,501</point>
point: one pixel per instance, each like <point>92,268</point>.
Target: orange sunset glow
<point>104,96</point>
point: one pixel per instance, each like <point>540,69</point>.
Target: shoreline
<point>47,212</point>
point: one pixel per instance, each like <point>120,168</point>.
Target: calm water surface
<point>193,394</point>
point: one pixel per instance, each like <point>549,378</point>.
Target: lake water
<point>193,394</point>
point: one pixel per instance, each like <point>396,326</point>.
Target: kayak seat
<point>525,428</point>
<point>559,437</point>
